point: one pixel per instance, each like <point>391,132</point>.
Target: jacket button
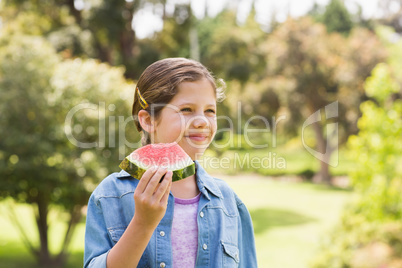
<point>162,265</point>
<point>162,233</point>
<point>205,246</point>
<point>202,214</point>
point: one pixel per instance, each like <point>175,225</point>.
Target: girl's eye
<point>210,111</point>
<point>185,110</point>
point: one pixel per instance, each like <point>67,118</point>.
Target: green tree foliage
<point>173,40</point>
<point>393,43</point>
<point>316,11</point>
<point>101,29</point>
<point>229,49</point>
<point>232,52</point>
<point>370,231</point>
<point>42,98</point>
<point>337,18</point>
<point>378,148</point>
<point>110,22</point>
<point>50,19</point>
<point>310,69</point>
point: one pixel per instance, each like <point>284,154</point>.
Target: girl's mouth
<point>198,137</point>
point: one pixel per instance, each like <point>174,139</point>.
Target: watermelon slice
<point>169,155</point>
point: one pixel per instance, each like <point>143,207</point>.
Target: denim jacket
<point>225,231</point>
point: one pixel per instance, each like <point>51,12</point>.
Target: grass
<point>289,220</point>
<point>282,160</point>
<point>13,254</point>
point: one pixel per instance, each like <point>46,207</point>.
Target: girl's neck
<point>186,188</point>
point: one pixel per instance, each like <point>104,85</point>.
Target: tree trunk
<point>44,258</point>
<point>323,175</point>
<point>126,42</point>
<point>75,216</point>
<point>194,44</point>
<point>76,13</point>
<point>104,53</point>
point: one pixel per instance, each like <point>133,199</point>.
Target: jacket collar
<point>123,174</point>
<point>206,183</point>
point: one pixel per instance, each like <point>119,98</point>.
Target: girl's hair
<point>158,84</point>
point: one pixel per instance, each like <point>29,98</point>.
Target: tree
<point>335,17</point>
<point>391,14</point>
<point>110,22</point>
<point>369,234</point>
<point>313,69</point>
<point>100,29</point>
<point>43,99</point>
<point>50,19</point>
<point>229,49</point>
<point>377,147</point>
<point>393,44</point>
<point>173,40</point>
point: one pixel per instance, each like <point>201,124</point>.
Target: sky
<point>148,20</point>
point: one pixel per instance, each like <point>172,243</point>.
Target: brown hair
<point>159,83</point>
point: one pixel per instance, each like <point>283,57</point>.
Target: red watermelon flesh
<point>169,155</point>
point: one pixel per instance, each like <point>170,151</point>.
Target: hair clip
<point>143,103</point>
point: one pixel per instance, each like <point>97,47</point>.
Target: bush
<point>359,243</point>
<point>370,233</point>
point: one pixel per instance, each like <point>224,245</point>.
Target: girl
<point>196,222</point>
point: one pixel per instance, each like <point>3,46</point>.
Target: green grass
<point>12,250</point>
<point>289,220</point>
<point>283,160</point>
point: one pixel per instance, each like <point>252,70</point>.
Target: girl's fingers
<point>164,187</point>
<point>146,177</point>
<point>165,196</point>
<point>154,181</point>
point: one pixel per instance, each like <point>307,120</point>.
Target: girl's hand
<point>151,197</point>
<point>150,206</point>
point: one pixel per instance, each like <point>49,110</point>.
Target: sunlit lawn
<point>283,160</point>
<point>289,219</point>
<point>13,254</point>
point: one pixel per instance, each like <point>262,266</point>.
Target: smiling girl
<point>195,222</point>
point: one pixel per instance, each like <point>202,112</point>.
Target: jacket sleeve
<point>247,250</point>
<point>97,242</point>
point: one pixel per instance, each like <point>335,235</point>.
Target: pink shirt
<point>185,232</point>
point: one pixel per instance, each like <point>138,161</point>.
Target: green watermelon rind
<point>136,171</point>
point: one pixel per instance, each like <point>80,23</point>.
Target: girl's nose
<point>199,121</point>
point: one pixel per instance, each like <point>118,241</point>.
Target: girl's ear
<point>146,121</point>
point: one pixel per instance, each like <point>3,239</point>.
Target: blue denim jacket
<point>225,231</point>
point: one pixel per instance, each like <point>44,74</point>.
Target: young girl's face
<point>189,119</point>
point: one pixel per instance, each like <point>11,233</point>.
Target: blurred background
<point>323,186</point>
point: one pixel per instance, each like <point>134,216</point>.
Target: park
<point>309,125</point>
